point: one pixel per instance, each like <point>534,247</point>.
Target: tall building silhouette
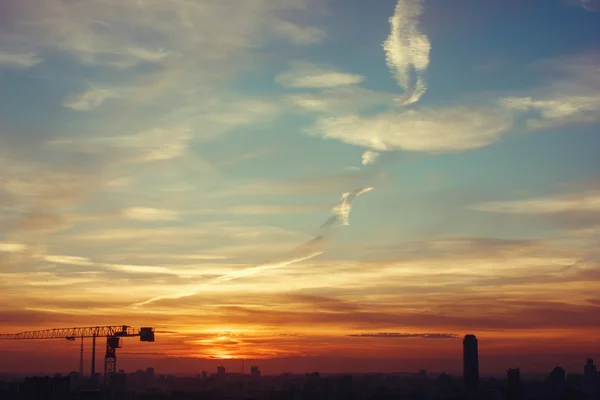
<point>558,382</point>
<point>590,371</point>
<point>470,362</point>
<point>513,376</point>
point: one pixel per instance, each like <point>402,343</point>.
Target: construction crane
<point>113,335</point>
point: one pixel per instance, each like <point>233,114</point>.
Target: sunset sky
<point>286,180</point>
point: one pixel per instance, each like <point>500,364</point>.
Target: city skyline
<point>302,182</point>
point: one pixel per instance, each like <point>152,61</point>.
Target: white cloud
<point>307,75</point>
<point>561,110</point>
<point>407,49</point>
<point>269,209</point>
<point>92,98</point>
<point>297,34</point>
<point>149,214</point>
<point>428,130</point>
<point>571,97</point>
<point>348,99</point>
<point>107,32</point>
<point>148,55</point>
<point>589,202</point>
<point>19,60</point>
<point>139,269</point>
<point>369,157</point>
<point>341,211</point>
<point>10,247</point>
<point>157,144</point>
<point>69,260</point>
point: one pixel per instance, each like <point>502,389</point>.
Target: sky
<point>314,184</point>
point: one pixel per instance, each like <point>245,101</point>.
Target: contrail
<point>407,49</point>
<point>306,251</point>
<point>229,277</point>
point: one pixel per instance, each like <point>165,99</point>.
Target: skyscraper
<point>470,362</point>
<point>513,376</point>
<point>590,371</point>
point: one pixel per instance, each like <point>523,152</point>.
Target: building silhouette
<point>590,371</point>
<point>558,382</point>
<point>255,371</point>
<point>470,362</point>
<point>221,371</point>
<point>513,390</point>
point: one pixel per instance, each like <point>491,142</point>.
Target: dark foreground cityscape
<point>557,384</point>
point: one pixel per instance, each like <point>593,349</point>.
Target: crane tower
<point>113,335</point>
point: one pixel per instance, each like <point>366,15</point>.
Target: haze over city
<point>335,186</point>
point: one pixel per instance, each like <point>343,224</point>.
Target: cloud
<point>407,49</point>
<point>571,96</point>
<point>343,99</point>
<point>9,247</point>
<point>270,209</point>
<point>394,335</point>
<point>149,214</point>
<point>427,130</point>
<point>562,110</point>
<point>369,157</point>
<point>297,34</point>
<point>69,260</point>
<point>586,202</point>
<point>341,212</point>
<point>19,60</point>
<point>232,276</point>
<point>92,98</point>
<point>148,55</point>
<point>307,75</point>
<point>304,252</point>
<point>588,5</point>
<point>155,144</point>
<point>106,33</point>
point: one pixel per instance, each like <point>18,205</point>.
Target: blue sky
<point>161,148</point>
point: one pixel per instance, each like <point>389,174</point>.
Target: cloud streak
<point>19,60</point>
<point>394,335</point>
<point>587,202</point>
<point>304,252</point>
<point>407,50</point>
<point>312,76</point>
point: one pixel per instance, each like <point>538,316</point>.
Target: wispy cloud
<point>585,202</point>
<point>149,214</point>
<point>10,247</point>
<point>570,97</point>
<point>306,251</point>
<point>395,335</point>
<point>307,75</point>
<point>407,49</point>
<point>19,60</point>
<point>426,130</point>
<point>272,209</point>
<point>588,5</point>
<point>340,100</point>
<point>92,98</point>
<point>148,55</point>
<point>69,260</point>
<point>300,35</point>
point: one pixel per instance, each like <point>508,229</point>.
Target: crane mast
<point>112,333</point>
